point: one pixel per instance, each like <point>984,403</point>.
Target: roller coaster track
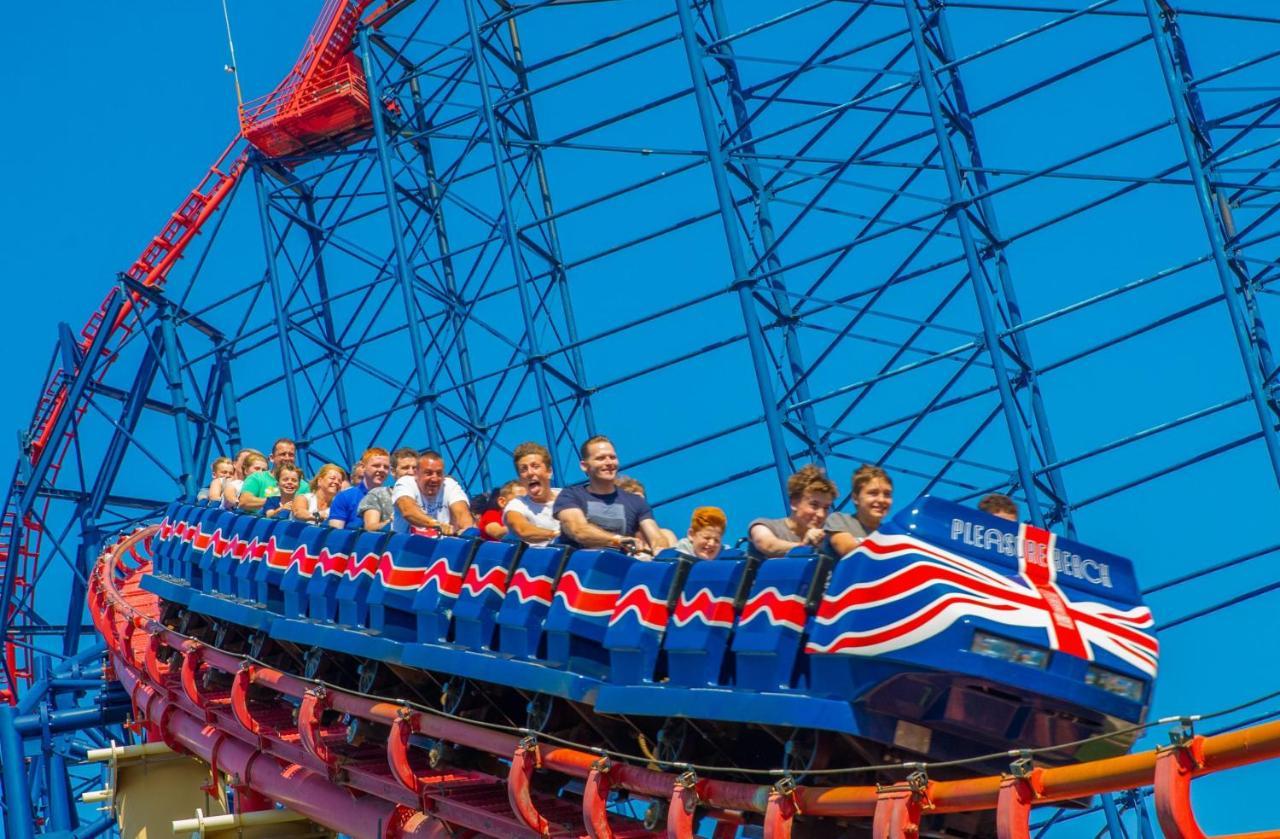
<point>324,94</point>
<point>275,732</point>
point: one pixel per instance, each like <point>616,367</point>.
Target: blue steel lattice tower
<point>990,246</point>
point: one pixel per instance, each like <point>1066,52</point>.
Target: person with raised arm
<point>811,494</point>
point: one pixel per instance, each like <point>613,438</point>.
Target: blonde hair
<point>329,467</point>
<point>218,461</point>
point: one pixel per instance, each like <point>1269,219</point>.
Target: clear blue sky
<point>116,110</point>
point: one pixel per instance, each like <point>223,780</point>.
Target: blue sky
<point>122,106</point>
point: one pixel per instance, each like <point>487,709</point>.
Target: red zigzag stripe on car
<point>711,610</point>
<point>779,609</point>
<point>589,602</point>
<point>649,610</point>
<point>530,588</point>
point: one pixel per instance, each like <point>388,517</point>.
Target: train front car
<point>956,633</point>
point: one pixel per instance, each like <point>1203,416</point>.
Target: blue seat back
<point>286,540</point>
<point>308,560</point>
<point>766,644</point>
<point>404,566</point>
<point>430,607</point>
<point>225,563</point>
<point>165,543</point>
<point>639,619</point>
<point>484,587</point>
<point>339,551</point>
<point>579,616</point>
<point>245,573</point>
<point>698,635</point>
<point>219,547</point>
<point>527,601</point>
<point>356,589</point>
<point>201,529</point>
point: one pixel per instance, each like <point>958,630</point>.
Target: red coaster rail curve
<point>399,792</point>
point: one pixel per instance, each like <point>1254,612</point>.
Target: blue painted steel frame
<point>1251,339</point>
<point>743,283</point>
<point>327,180</point>
<point>977,277</point>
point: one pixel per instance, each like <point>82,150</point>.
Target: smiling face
<point>601,463</point>
<point>430,476</point>
<point>407,466</point>
<point>329,481</point>
<point>284,454</point>
<point>376,470</point>
<point>874,500</point>
<point>535,477</point>
<point>288,482</point>
<point>810,509</point>
<point>706,542</point>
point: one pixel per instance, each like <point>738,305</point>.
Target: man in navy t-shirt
<point>599,515</point>
<point>377,465</point>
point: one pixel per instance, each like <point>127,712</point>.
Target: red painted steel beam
<point>312,795</point>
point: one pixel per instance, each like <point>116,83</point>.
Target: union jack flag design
<point>909,591</point>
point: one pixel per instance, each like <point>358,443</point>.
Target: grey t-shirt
<point>378,498</point>
<point>845,523</point>
<point>778,527</point>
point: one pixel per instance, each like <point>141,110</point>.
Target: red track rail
<point>396,788</point>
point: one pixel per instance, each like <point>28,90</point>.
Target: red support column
<point>684,804</point>
<point>519,779</point>
<point>1174,768</point>
<point>1013,808</point>
<point>595,801</point>
<point>781,810</point>
<point>899,807</point>
<point>398,752</point>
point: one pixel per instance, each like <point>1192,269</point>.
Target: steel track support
<point>982,292</point>
<point>559,276</point>
<point>723,53</point>
<point>327,323</point>
<point>227,393</point>
<point>166,313</point>
<point>511,238</point>
<point>300,433</point>
<point>1237,290</point>
<point>743,282</point>
<point>18,816</point>
<point>986,209</point>
<point>426,397</point>
<point>22,501</point>
<point>456,319</point>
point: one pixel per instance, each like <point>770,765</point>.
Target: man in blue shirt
<point>598,514</point>
<point>377,465</point>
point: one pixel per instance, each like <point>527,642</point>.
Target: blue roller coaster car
<point>947,633</point>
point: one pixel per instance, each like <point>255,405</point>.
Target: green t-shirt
<point>263,485</point>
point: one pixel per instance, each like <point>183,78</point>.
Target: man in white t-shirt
<point>430,503</point>
<point>529,517</point>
